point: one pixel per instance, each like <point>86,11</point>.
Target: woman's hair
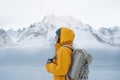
<point>58,32</point>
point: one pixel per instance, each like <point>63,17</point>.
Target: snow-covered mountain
<point>13,34</point>
<point>34,34</point>
<point>101,37</point>
<point>54,22</point>
<point>112,34</point>
<point>5,40</point>
<point>42,33</point>
<point>89,35</point>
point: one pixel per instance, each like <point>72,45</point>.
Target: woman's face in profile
<point>56,38</point>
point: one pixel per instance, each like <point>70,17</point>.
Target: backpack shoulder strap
<point>65,45</point>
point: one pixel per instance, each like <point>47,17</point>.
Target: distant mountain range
<point>42,34</point>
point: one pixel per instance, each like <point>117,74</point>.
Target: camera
<point>50,60</point>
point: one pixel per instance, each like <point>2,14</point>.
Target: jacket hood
<point>66,36</point>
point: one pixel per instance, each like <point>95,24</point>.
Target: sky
<point>15,14</point>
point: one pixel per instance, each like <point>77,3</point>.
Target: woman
<point>60,65</point>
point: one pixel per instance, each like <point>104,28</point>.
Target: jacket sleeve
<point>63,65</point>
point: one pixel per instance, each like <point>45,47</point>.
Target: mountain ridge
<point>44,31</point>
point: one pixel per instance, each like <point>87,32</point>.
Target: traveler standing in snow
<point>59,66</point>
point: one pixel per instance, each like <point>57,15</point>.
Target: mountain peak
<point>55,22</point>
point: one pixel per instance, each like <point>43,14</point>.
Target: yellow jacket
<point>60,67</point>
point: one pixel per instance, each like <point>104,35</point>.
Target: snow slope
<point>113,34</point>
<point>5,40</point>
<point>33,35</point>
<point>13,34</point>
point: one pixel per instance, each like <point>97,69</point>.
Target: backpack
<point>79,66</point>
